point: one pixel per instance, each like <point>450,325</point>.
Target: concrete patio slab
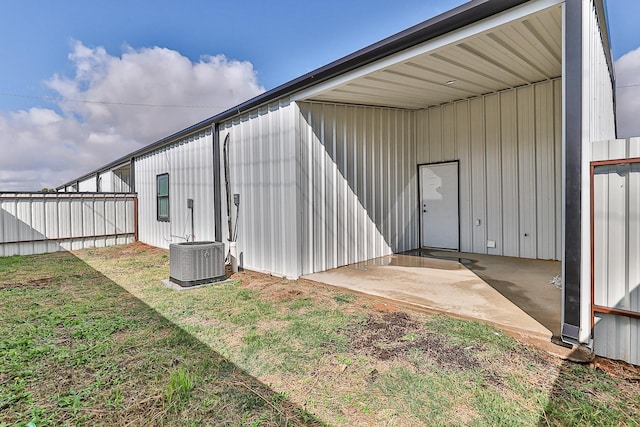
<point>533,285</point>
<point>439,281</point>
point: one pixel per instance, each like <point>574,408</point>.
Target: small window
<point>162,188</point>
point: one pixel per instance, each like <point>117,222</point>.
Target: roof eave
<point>454,19</point>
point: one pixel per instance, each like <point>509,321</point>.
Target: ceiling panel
<point>514,54</point>
<point>478,82</point>
<point>516,62</point>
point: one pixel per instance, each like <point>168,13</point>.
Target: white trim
<point>585,199</point>
<point>564,156</point>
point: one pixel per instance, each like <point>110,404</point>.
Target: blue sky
<point>282,39</point>
<point>53,50</point>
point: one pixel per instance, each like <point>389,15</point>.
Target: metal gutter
<point>454,19</point>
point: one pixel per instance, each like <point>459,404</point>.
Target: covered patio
<point>486,102</point>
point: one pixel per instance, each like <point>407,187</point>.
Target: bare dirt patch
<point>31,284</point>
<point>394,335</point>
<point>381,306</point>
<point>279,290</point>
<point>134,249</point>
<point>617,369</point>
<point>291,293</point>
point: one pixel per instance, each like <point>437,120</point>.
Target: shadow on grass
<point>78,348</point>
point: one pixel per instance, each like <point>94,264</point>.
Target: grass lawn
<point>94,338</point>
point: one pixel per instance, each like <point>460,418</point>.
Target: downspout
<point>227,185</point>
<point>132,175</point>
<point>217,186</point>
<point>233,250</point>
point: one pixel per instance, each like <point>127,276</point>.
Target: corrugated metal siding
<point>598,124</point>
<point>33,223</point>
<point>617,337</point>
<point>358,184</point>
<point>88,185</point>
<point>509,148</point>
<point>106,182</point>
<point>598,119</point>
<point>617,249</point>
<point>263,169</point>
<point>189,163</point>
<point>478,201</point>
<point>121,180</point>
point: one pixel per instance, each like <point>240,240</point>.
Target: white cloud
<point>45,148</point>
<point>628,94</point>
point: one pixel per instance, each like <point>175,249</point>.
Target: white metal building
<point>470,131</point>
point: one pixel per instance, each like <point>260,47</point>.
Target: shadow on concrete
<point>527,283</point>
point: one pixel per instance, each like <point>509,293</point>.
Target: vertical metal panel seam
<point>533,176</point>
<point>310,184</point>
<point>15,209</point>
<point>336,188</point>
<point>31,224</point>
<point>517,173</point>
<point>485,220</point>
<point>501,172</point>
<point>345,189</point>
<point>470,174</point>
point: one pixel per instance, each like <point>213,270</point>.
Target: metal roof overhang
<point>517,47</point>
<point>470,17</point>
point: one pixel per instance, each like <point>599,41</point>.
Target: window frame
<point>162,218</point>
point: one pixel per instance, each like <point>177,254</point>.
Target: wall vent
<point>195,263</point>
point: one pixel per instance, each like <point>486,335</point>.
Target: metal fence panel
<point>616,249</point>
<point>34,223</point>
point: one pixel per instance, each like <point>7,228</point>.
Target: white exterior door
<point>439,205</point>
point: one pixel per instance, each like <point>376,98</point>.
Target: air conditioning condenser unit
<point>195,263</point>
